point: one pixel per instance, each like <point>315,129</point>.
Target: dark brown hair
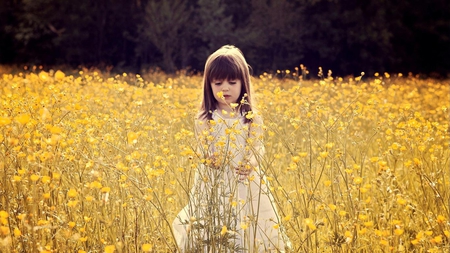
<point>227,63</point>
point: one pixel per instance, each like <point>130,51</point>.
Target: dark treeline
<point>347,36</point>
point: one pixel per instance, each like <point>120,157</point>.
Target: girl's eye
<point>232,82</point>
<point>217,83</point>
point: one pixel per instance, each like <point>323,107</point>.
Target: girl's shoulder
<point>256,117</point>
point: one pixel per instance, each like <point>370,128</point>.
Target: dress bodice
<point>229,139</point>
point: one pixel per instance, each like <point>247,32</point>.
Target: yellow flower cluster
<point>90,162</point>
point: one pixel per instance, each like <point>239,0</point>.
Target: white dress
<point>227,212</point>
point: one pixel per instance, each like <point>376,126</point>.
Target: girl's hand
<point>214,162</point>
<point>243,171</point>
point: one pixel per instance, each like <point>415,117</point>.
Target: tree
<point>165,21</point>
<point>273,34</point>
<point>347,37</point>
<point>213,28</point>
<point>6,41</point>
<point>74,33</point>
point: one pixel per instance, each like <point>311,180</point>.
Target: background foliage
<point>345,36</point>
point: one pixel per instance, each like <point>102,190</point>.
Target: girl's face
<point>231,89</point>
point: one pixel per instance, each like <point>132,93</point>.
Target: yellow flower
<point>358,180</point>
<point>224,230</point>
<point>287,218</point>
<point>447,233</point>
<point>43,75</point>
<point>419,235</point>
<point>368,224</point>
<point>105,189</point>
<point>4,230</point>
<point>384,242</point>
<point>295,159</point>
<point>72,203</point>
<point>310,223</point>
<point>323,154</point>
<point>56,175</point>
<point>417,161</point>
<point>132,137</point>
<point>398,231</point>
<point>395,146</point>
<point>362,217</point>
<point>4,121</point>
<point>55,130</point>
<point>110,249</point>
<point>220,95</point>
<point>302,154</point>
<point>34,177</point>
<point>437,239</point>
<point>3,215</point>
<point>374,159</point>
<point>249,115</point>
<point>95,184</point>
<point>329,145</point>
<point>440,219</point>
<point>23,118</point>
<point>59,75</point>
<point>168,191</point>
<point>147,247</point>
<point>17,232</point>
<point>348,234</point>
<point>401,201</point>
<point>42,222</point>
<point>45,179</point>
<point>72,193</point>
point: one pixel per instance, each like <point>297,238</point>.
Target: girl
<point>230,207</point>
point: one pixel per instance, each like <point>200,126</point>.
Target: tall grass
<point>91,163</point>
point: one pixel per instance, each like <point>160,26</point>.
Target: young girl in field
<point>230,207</point>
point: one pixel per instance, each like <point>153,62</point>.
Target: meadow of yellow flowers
<point>95,163</point>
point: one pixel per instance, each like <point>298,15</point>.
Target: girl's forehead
<point>224,68</point>
<point>223,79</point>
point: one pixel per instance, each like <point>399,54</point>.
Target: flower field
<point>98,163</point>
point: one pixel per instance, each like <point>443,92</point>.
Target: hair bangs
<point>224,68</point>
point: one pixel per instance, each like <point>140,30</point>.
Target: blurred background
<point>347,36</point>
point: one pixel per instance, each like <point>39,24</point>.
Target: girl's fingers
<point>242,171</point>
